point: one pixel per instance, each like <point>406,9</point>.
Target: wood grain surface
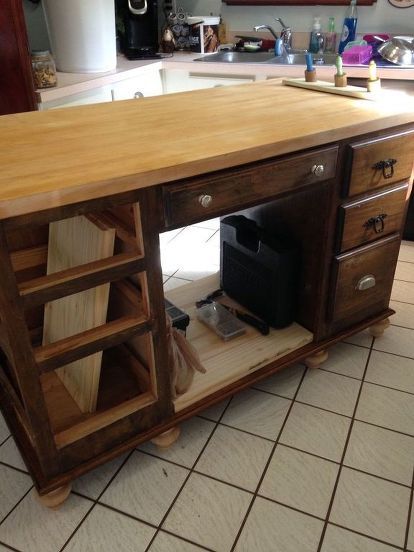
<point>62,156</point>
<point>73,242</point>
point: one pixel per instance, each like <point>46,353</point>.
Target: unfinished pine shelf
<point>227,361</point>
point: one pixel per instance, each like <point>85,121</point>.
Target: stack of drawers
<point>370,223</point>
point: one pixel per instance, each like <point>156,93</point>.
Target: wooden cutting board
<point>73,242</point>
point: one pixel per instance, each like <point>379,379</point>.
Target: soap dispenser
<point>316,37</point>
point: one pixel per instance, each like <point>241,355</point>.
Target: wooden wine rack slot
<point>29,258</point>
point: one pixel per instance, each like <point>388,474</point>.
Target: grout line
<point>15,506</point>
<point>191,470</point>
<point>343,454</point>
<point>186,540</point>
<point>9,547</point>
<point>403,327</point>
<point>95,501</point>
<point>391,545</point>
<point>243,523</point>
<point>290,507</point>
<point>394,354</point>
<point>410,512</point>
<point>389,387</point>
<point>6,439</point>
<point>2,463</point>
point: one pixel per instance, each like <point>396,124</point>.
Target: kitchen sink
<point>266,57</point>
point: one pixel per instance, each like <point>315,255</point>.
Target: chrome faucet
<point>268,27</point>
<point>285,35</point>
<point>284,42</point>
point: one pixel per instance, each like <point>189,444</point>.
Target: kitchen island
<point>337,173</point>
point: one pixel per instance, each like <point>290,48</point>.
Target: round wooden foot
<point>314,361</point>
<point>55,498</point>
<point>378,329</point>
<point>166,439</point>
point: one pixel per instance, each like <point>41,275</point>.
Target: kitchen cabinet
<point>148,83</point>
<point>303,176</point>
<point>180,80</point>
<point>96,95</point>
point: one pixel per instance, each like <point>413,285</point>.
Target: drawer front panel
<point>363,279</point>
<point>204,198</point>
<point>380,162</point>
<point>373,217</point>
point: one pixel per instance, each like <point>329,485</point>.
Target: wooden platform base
<point>379,328</point>
<point>166,439</point>
<point>56,498</point>
<point>314,361</point>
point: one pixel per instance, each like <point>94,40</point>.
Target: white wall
<point>380,17</point>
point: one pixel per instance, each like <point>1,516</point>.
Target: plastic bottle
<point>316,38</point>
<point>330,37</point>
<point>349,28</point>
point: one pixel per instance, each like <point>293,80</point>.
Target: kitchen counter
<point>73,83</point>
<point>86,152</point>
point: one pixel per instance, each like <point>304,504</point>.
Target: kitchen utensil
<point>398,50</point>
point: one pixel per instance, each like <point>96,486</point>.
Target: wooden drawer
<point>202,198</point>
<point>362,279</point>
<point>373,217</point>
<point>380,162</point>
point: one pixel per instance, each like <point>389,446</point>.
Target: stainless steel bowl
<point>398,50</point>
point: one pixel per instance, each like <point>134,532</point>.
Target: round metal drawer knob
<point>205,200</point>
<point>318,170</point>
<point>138,95</point>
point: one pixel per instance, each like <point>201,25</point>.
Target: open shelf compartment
<point>227,362</point>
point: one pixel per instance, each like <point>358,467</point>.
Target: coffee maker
<point>137,26</point>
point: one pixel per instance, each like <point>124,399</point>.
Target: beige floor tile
<point>213,224</point>
<point>4,549</point>
<point>403,291</point>
<point>331,391</point>
<point>410,543</point>
<point>387,408</point>
<point>381,452</point>
<point>346,359</point>
<point>93,483</point>
<point>406,252</point>
<point>208,512</point>
<point>214,412</point>
<point>193,437</point>
<point>271,527</point>
<point>340,540</point>
<point>166,237</point>
<point>404,314</point>
<point>4,430</point>
<point>399,341</point>
<point>13,485</point>
<point>32,527</point>
<point>300,480</point>
<point>164,542</point>
<point>257,412</point>
<point>145,487</point>
<point>404,271</point>
<point>9,454</point>
<point>284,383</point>
<point>105,531</point>
<point>363,339</point>
<point>316,431</point>
<point>235,457</point>
<point>371,506</point>
<point>391,371</point>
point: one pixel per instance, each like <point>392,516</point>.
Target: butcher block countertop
<point>57,157</point>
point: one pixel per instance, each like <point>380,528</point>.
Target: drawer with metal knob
<point>379,162</point>
<point>373,217</point>
<point>206,197</point>
<point>362,280</point>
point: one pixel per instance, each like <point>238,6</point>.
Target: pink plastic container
<point>357,55</point>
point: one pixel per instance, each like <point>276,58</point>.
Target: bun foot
<point>55,498</point>
<point>314,361</point>
<point>166,439</point>
<point>378,329</point>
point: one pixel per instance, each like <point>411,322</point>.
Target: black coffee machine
<point>137,26</point>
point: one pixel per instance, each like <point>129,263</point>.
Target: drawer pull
<point>386,166</point>
<point>318,170</point>
<point>366,282</point>
<point>138,95</point>
<point>205,200</point>
<point>376,222</point>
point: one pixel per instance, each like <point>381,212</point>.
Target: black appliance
<point>137,26</point>
<point>259,270</point>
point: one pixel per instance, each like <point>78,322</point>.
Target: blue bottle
<point>349,28</point>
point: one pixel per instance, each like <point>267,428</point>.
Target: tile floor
<point>317,461</point>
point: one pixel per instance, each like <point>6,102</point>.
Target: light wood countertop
<point>58,157</point>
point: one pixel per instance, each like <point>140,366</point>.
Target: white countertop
<point>73,83</point>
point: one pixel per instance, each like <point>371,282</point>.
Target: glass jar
<point>44,69</point>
